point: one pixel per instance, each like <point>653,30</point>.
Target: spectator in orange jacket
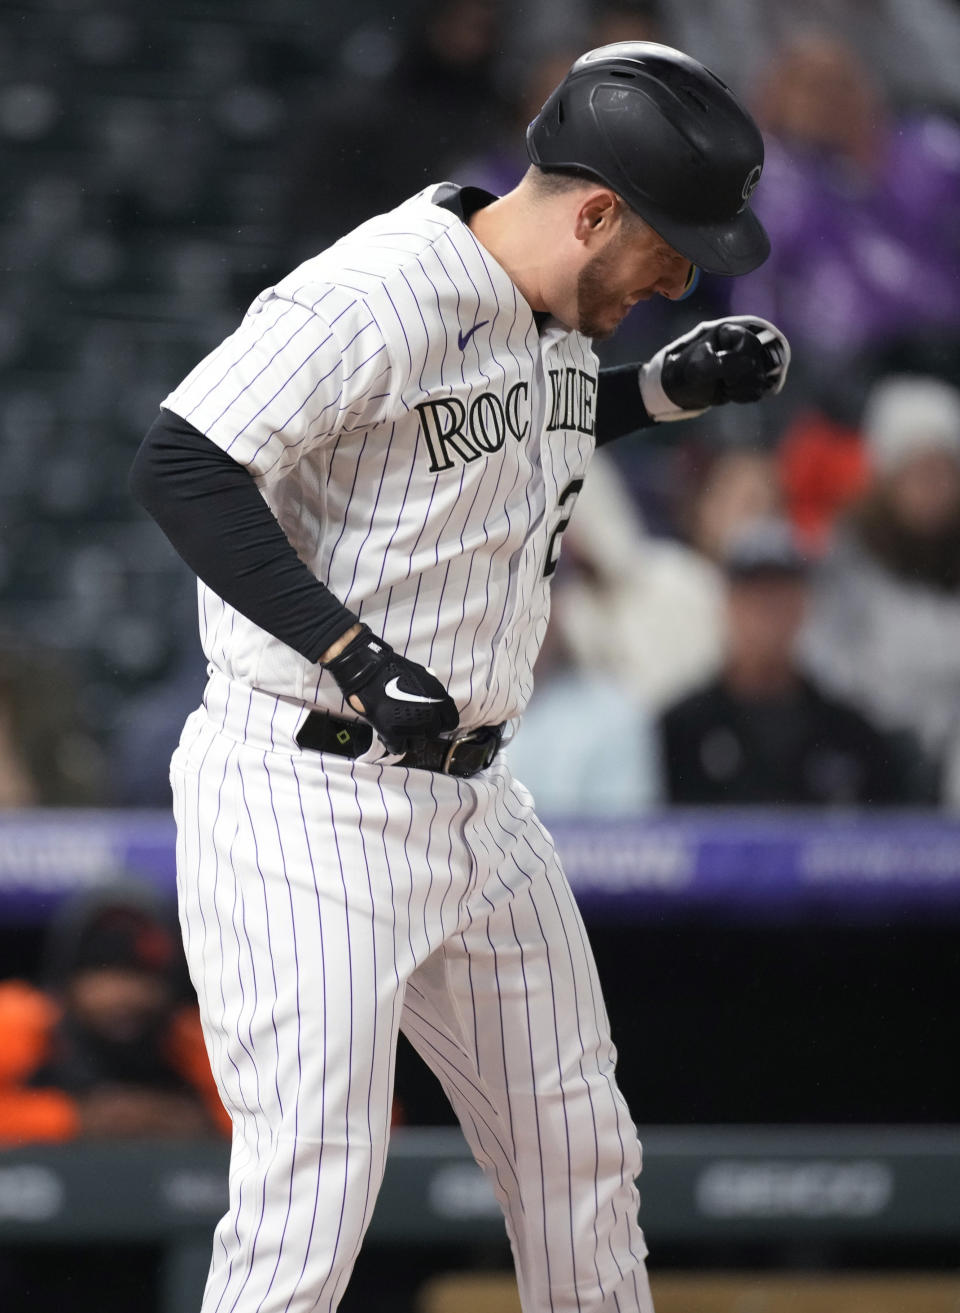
<point>108,1048</point>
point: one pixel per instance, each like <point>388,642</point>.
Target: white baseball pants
<point>325,904</point>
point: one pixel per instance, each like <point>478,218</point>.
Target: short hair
<point>568,178</point>
<point>554,182</point>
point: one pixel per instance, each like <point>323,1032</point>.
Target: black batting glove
<point>401,700</point>
<point>740,358</point>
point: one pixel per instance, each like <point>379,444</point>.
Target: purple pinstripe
<point>273,1020</point>
<point>449,862</point>
<point>536,1109</point>
<point>476,290</point>
<point>293,414</point>
<point>393,306</point>
<point>503,1033</point>
<point>456,290</point>
<point>580,1042</point>
<point>373,1048</point>
<point>309,322</point>
<point>233,364</point>
<point>453,506</point>
<point>426,333</point>
<point>353,487</point>
<point>458,1080</point>
<point>296,970</point>
<point>346,1108</point>
<point>348,596</point>
<point>600,1022</point>
<point>323,999</point>
<point>202,915</point>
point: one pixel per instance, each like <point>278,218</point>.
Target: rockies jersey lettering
<point>434,431</point>
<point>444,423</point>
<point>572,393</point>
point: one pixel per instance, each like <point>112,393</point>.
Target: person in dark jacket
<point>762,732</point>
<point>108,1046</point>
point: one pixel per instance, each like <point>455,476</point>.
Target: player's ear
<point>597,214</point>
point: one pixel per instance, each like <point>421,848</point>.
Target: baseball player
<point>371,477</point>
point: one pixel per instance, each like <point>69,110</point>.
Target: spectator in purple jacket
<point>863,210</point>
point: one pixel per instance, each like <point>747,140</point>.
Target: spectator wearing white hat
<point>884,629</point>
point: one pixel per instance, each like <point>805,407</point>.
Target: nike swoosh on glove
<point>402,700</point>
<point>740,358</point>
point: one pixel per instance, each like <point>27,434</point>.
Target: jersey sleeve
<point>297,371</point>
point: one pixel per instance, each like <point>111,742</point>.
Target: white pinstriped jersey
<point>419,441</point>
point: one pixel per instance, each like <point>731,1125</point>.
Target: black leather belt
<point>463,754</point>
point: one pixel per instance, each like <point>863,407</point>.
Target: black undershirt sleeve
<point>212,511</point>
<point>619,408</point>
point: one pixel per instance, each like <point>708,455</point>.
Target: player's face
<point>634,265</point>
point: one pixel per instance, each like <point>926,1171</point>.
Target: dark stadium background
<point>158,166</point>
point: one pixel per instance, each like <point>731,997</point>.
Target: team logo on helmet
<point>750,185</point>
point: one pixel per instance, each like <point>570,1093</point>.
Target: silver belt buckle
<point>462,736</point>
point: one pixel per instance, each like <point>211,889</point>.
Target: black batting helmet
<point>670,138</point>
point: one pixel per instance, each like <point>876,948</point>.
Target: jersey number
<point>565,504</point>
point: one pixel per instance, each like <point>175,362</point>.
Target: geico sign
<point>787,1189</point>
<point>29,1193</point>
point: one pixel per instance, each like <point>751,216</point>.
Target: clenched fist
<point>740,358</point>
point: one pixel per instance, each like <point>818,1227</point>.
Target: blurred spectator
<point>393,120</point>
<point>625,20</point>
<point>734,487</point>
<point>46,756</point>
<point>885,624</point>
<point>914,45</point>
<point>148,730</point>
<point>503,160</point>
<point>761,732</point>
<point>641,610</point>
<point>823,468</point>
<point>863,210</point>
<point>17,785</point>
<point>583,748</point>
<point>106,1048</point>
